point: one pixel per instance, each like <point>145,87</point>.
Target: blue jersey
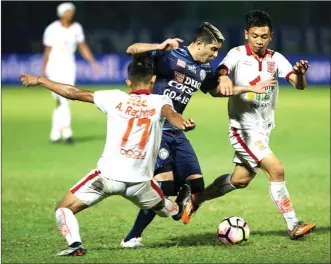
<point>178,76</point>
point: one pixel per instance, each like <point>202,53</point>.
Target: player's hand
<point>29,79</point>
<point>225,86</point>
<point>170,44</point>
<point>259,88</point>
<point>96,69</point>
<point>188,125</point>
<point>301,67</point>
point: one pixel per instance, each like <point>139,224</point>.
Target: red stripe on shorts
<point>157,189</point>
<point>88,178</point>
<point>243,144</point>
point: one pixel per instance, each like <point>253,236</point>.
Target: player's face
<point>68,15</point>
<point>258,39</point>
<point>208,52</point>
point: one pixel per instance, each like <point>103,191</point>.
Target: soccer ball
<point>233,230</point>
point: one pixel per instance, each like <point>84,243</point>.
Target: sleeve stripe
<point>224,67</point>
<point>288,75</point>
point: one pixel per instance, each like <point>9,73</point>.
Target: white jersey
<point>134,130</point>
<point>250,110</point>
<point>63,42</point>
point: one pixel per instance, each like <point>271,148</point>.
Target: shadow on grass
<point>90,138</point>
<point>81,139</point>
<point>210,239</point>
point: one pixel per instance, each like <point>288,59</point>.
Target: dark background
<point>299,27</point>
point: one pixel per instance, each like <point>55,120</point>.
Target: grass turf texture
<point>35,175</point>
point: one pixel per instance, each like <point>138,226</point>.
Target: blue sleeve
<point>210,83</point>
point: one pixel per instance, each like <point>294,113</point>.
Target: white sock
<point>56,125</point>
<point>281,198</point>
<point>170,208</point>
<point>65,121</point>
<point>68,225</point>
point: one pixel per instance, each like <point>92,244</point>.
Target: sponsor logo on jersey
<point>271,66</point>
<point>133,153</point>
<point>189,85</point>
<point>248,63</point>
<point>163,154</point>
<point>192,68</point>
<point>202,74</point>
<point>260,144</point>
<point>179,77</point>
<point>181,63</point>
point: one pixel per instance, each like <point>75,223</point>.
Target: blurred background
<point>301,31</point>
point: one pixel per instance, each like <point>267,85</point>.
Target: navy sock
<point>142,221</point>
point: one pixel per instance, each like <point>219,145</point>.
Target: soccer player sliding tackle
<point>252,119</point>
<point>134,129</point>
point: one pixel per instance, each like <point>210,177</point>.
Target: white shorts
<point>94,187</point>
<point>251,146</point>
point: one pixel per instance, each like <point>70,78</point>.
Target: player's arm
<point>47,51</point>
<point>65,90</point>
<point>298,78</point>
<point>223,81</point>
<point>176,119</point>
<point>87,54</point>
<point>166,45</point>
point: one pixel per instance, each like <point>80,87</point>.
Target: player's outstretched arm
<point>225,86</point>
<point>166,45</point>
<point>65,90</point>
<point>176,119</point>
<point>259,88</point>
<point>298,79</point>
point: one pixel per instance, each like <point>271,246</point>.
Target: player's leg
<point>240,178</point>
<point>281,197</point>
<point>65,115</point>
<point>164,176</point>
<point>61,119</point>
<point>187,169</point>
<point>149,196</point>
<point>82,195</point>
<point>55,134</point>
<point>246,167</point>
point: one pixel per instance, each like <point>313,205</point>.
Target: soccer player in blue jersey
<point>180,73</point>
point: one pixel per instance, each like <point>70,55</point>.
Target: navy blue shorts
<point>176,154</point>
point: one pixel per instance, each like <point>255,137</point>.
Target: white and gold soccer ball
<point>233,230</point>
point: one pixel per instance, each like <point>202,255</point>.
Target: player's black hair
<point>208,33</point>
<point>139,72</point>
<point>258,18</point>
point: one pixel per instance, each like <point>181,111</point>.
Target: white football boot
<point>132,243</point>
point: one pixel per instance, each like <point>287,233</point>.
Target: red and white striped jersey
<point>134,130</point>
<point>250,110</point>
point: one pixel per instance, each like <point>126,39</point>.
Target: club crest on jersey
<point>202,74</point>
<point>192,68</point>
<point>179,77</point>
<point>271,66</point>
<point>163,153</point>
<point>181,63</point>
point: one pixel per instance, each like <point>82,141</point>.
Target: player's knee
<point>197,185</point>
<point>168,188</point>
<point>276,172</point>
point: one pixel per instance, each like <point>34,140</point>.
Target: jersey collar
<point>188,53</point>
<point>140,91</point>
<point>250,53</point>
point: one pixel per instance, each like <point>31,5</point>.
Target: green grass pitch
<point>35,175</point>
